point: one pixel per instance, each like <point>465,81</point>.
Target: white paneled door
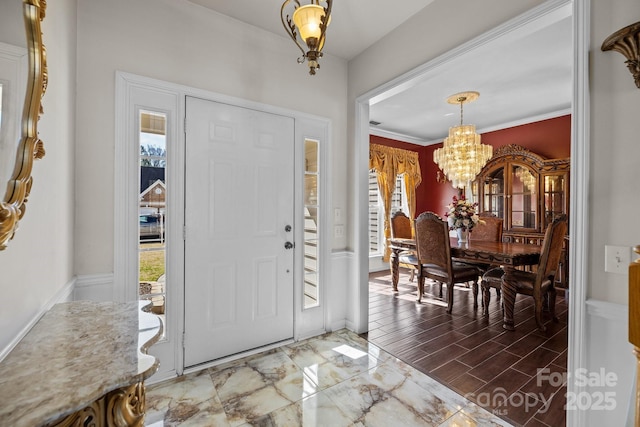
<point>239,211</point>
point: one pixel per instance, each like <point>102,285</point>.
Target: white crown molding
<point>423,142</point>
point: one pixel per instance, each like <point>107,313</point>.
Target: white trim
<point>579,202</point>
<point>94,287</point>
<point>359,297</point>
<point>423,142</point>
<point>538,16</point>
<point>398,136</point>
<point>608,310</point>
<point>125,248</point>
<point>200,367</point>
<point>90,280</point>
<point>64,294</point>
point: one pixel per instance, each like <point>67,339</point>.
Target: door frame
<point>307,322</point>
<point>579,183</point>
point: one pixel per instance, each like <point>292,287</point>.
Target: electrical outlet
<point>617,259</point>
<point>338,231</point>
<point>337,215</point>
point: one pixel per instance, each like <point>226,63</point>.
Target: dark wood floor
<point>473,354</point>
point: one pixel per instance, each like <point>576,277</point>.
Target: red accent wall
<point>549,138</point>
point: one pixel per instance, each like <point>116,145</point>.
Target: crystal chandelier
<point>527,179</point>
<point>310,22</point>
<point>462,156</point>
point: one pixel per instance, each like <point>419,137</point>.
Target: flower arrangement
<point>462,214</point>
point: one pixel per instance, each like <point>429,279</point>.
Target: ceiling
<point>524,75</point>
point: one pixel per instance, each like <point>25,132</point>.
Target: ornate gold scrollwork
<point>627,42</point>
<point>30,147</point>
<point>91,416</point>
<point>126,406</point>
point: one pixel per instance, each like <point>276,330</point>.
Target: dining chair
<point>401,229</point>
<point>434,257</point>
<point>489,229</point>
<point>540,283</point>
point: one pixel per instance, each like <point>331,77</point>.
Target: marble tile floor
<point>338,379</point>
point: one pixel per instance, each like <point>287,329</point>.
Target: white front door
<point>239,188</point>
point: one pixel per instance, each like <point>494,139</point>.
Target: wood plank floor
<point>472,354</point>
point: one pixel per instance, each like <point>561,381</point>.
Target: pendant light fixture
<point>310,23</point>
<point>462,156</point>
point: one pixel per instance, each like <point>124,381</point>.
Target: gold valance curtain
<point>389,162</point>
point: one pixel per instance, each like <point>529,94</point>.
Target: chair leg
<point>486,298</point>
<point>498,293</point>
<point>449,297</point>
<point>440,283</point>
<point>420,286</point>
<point>475,294</point>
<point>413,272</point>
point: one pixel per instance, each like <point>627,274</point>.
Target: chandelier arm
<point>290,27</point>
<point>324,23</point>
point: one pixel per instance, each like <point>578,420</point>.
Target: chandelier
<point>310,22</point>
<point>462,156</point>
<point>527,179</point>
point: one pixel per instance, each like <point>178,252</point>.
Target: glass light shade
<point>462,156</point>
<point>308,19</point>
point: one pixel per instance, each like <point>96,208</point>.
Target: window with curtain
<point>376,211</point>
<point>389,163</point>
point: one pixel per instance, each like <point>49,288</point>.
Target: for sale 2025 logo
<point>598,398</point>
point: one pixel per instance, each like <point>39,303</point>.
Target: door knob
<point>288,245</point>
<point>287,228</point>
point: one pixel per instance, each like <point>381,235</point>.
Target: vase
<point>463,235</point>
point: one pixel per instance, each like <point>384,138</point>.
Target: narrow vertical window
<point>376,210</point>
<point>311,221</point>
<point>152,210</point>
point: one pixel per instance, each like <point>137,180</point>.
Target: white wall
<point>179,42</point>
<point>614,196</point>
<point>37,267</point>
<point>615,150</point>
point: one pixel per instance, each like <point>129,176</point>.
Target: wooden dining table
<point>501,254</point>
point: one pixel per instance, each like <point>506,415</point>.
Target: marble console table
<point>83,363</point>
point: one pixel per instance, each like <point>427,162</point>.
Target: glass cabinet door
<point>555,198</point>
<point>524,197</point>
<point>493,193</point>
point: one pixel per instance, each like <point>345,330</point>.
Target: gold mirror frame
<point>30,147</point>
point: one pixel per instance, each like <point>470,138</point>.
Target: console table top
<point>76,353</point>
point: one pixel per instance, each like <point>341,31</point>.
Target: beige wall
<point>38,263</point>
<point>179,42</point>
<point>615,150</point>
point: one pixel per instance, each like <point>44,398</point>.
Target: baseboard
<point>94,287</point>
<point>64,294</point>
<point>337,325</point>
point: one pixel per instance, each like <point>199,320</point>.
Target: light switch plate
<point>617,259</point>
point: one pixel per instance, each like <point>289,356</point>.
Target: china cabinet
<point>527,191</point>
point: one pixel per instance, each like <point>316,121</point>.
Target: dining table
<point>507,255</point>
